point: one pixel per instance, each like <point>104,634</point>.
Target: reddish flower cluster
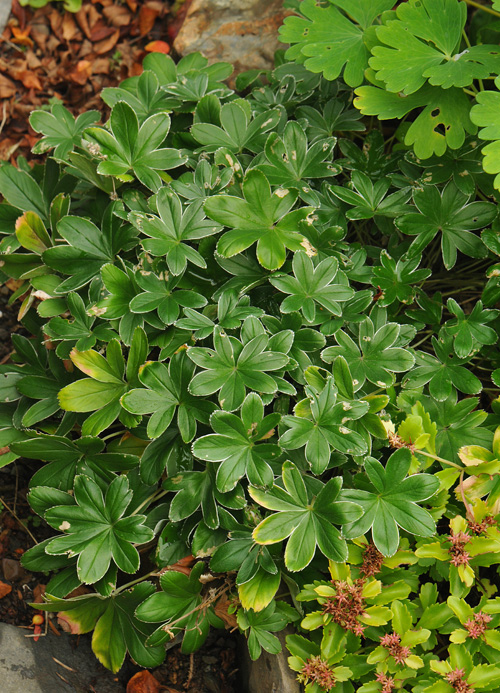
<point>459,555</point>
<point>456,680</point>
<point>372,561</point>
<point>347,605</point>
<point>316,670</point>
<point>477,625</point>
<point>480,527</point>
<point>395,441</point>
<point>392,643</point>
<point>388,683</point>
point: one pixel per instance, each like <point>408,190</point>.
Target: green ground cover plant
<point>264,334</point>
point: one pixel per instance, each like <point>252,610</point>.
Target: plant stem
<point>482,7</point>
<point>440,459</point>
<point>2,502</point>
<point>154,496</point>
<point>134,582</point>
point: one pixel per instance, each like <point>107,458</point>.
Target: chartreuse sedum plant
<point>249,379</point>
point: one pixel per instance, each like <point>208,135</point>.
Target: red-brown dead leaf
<point>157,47</point>
<point>7,87</point>
<point>69,27</point>
<point>221,610</point>
<point>82,72</point>
<point>38,593</point>
<point>4,589</point>
<point>100,66</point>
<point>30,80</point>
<point>117,15</point>
<point>147,17</point>
<point>132,4</point>
<point>143,682</point>
<point>40,33</point>
<point>107,44</point>
<point>83,22</point>
<point>184,565</point>
<point>101,31</point>
<point>19,13</point>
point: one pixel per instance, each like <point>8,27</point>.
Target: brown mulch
<point>48,55</point>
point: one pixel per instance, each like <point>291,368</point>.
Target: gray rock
<point>242,32</point>
<point>64,664</point>
<point>269,673</point>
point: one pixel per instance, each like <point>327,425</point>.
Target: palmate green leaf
<point>236,445</point>
<point>470,331</point>
<point>375,359</point>
<point>371,199</point>
<point>330,41</point>
<point>458,424</point>
<point>239,130</point>
<point>326,428</point>
<point>291,161</point>
<point>392,503</point>
<point>443,121</point>
<point>170,231</point>
<point>60,129</point>
<point>98,530</point>
<point>443,373</point>
<point>196,490</point>
<point>179,602</point>
<point>395,278</point>
<point>306,521</point>
<point>259,626</point>
<point>262,217</point>
<point>423,44</point>
<point>167,393</point>
<point>126,146</point>
<point>312,286</point>
<point>450,214</point>
<point>88,247</point>
<point>161,294</point>
<point>232,367</point>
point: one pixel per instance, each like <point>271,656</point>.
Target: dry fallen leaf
<point>21,36</point>
<point>117,15</point>
<point>221,610</point>
<point>107,44</point>
<point>147,17</point>
<point>30,80</point>
<point>7,87</point>
<point>4,589</point>
<point>143,682</point>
